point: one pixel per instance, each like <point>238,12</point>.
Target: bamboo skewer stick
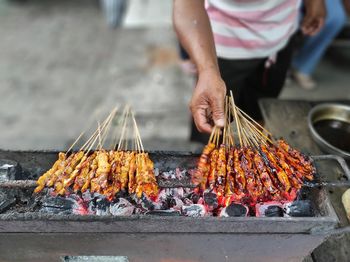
<point>235,118</point>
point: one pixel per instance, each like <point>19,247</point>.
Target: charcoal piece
<point>234,210</point>
<point>300,208</point>
<point>211,200</point>
<point>57,205</point>
<point>167,213</point>
<point>146,203</point>
<point>274,211</point>
<point>194,197</point>
<point>195,210</point>
<point>175,203</point>
<point>6,201</point>
<point>121,208</point>
<point>10,170</point>
<point>102,206</point>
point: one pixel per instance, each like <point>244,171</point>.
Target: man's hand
<point>208,99</point>
<point>315,14</point>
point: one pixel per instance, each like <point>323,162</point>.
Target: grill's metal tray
<point>34,163</point>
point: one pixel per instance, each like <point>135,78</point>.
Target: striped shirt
<point>246,29</point>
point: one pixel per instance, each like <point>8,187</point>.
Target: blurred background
<point>64,63</point>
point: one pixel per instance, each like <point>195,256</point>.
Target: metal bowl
<point>326,122</point>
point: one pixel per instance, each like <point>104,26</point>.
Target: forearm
<point>193,28</point>
<point>347,6</point>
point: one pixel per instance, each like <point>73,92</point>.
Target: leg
<point>311,53</point>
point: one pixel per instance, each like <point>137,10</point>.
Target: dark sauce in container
<point>335,132</point>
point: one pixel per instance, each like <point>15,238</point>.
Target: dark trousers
<point>250,80</point>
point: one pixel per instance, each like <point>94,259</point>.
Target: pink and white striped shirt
<point>246,29</point>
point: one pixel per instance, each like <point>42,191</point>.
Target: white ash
<point>194,210</point>
<point>122,208</point>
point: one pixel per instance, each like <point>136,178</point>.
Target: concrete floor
<point>61,69</point>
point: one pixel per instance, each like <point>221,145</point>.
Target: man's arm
<point>193,28</point>
<point>314,17</point>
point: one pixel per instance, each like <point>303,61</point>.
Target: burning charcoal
<point>147,204</point>
<point>274,211</point>
<point>299,208</point>
<point>194,197</point>
<point>194,210</point>
<point>122,208</point>
<point>180,174</point>
<point>210,200</point>
<point>177,192</point>
<point>234,210</point>
<point>162,195</point>
<point>175,203</point>
<point>87,196</point>
<point>79,207</point>
<point>268,209</point>
<point>168,175</point>
<point>102,206</point>
<point>9,170</point>
<point>187,201</point>
<point>169,212</point>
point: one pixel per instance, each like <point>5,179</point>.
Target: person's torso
<point>252,28</point>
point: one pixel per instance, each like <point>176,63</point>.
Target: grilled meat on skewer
<point>264,175</point>
<point>221,171</point>
<point>201,174</point>
<point>72,165</point>
<point>59,164</point>
<point>303,160</point>
<point>213,171</point>
<point>230,178</point>
<point>240,177</point>
<point>275,168</point>
<point>132,171</point>
<point>80,179</point>
<point>100,182</point>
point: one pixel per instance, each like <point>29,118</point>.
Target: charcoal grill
<point>34,236</point>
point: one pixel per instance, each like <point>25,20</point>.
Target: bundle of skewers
<point>243,163</point>
<point>125,167</point>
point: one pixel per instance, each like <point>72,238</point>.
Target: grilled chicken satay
<point>132,171</point>
<point>221,171</point>
<point>145,180</point>
<point>80,179</point>
<point>100,182</point>
<point>254,186</point>
<point>275,168</point>
<point>230,178</point>
<point>46,177</point>
<point>213,171</point>
<point>124,174</point>
<point>304,161</point>
<point>240,177</point>
<point>297,183</point>
<point>201,174</point>
<point>151,188</point>
<point>118,161</point>
<point>74,163</point>
<point>297,160</point>
<point>264,175</point>
<point>59,171</point>
<point>90,176</point>
<point>83,170</point>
